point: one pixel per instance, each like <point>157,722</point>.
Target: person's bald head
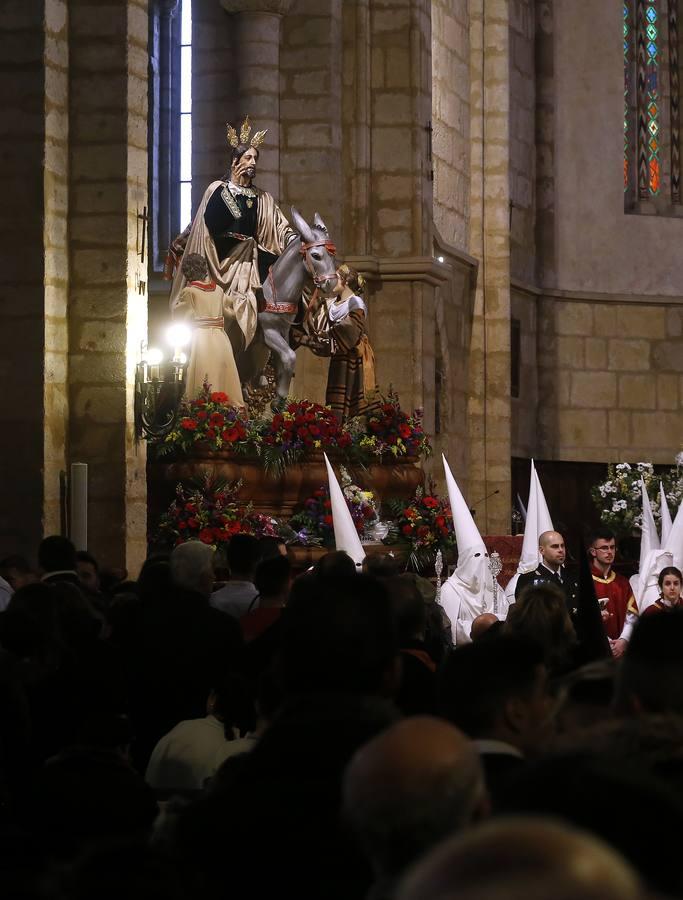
<point>552,549</point>
<point>481,625</point>
<point>526,851</point>
<point>409,787</point>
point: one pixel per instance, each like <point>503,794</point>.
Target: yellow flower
<point>317,444</point>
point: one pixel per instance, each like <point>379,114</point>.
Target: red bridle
<point>318,280</point>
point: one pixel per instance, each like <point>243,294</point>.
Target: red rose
<point>230,435</point>
<point>234,527</point>
<point>423,530</point>
<point>193,523</point>
<point>190,508</point>
<point>440,522</point>
<point>188,424</point>
<point>221,535</point>
<point>182,525</point>
<point>327,504</point>
<point>328,520</point>
<point>219,397</point>
<point>211,433</point>
<point>407,529</point>
<point>430,502</point>
<point>201,415</point>
<point>206,535</point>
<point>314,430</point>
<point>217,419</point>
<point>404,431</point>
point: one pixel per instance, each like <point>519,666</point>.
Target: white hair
<point>192,565</point>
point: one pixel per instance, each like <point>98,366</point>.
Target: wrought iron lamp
<point>159,388</point>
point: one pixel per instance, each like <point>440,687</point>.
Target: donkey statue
<point>307,263</point>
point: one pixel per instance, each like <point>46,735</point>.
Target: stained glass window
<point>648,61</point>
<point>652,151</point>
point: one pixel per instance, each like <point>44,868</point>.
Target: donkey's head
<point>317,250</point>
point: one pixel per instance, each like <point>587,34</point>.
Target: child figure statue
<point>200,305</point>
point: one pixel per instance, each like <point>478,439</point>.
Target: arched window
<point>651,107</point>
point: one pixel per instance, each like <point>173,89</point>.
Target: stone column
<point>34,273</point>
<point>489,406</point>
<point>107,310</point>
<point>256,28</point>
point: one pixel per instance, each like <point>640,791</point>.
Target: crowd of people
<point>318,735</point>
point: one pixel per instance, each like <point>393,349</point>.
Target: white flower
<point>679,458</point>
<point>623,467</point>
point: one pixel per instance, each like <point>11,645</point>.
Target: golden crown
<point>235,139</point>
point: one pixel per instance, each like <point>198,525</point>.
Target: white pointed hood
<point>345,534</point>
<point>652,558</point>
<point>674,540</point>
<point>537,521</point>
<point>665,514</point>
<point>469,591</point>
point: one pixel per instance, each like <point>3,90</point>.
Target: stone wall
<point>522,141</point>
<point>524,409</point>
<point>596,248</point>
<point>107,311</point>
<point>34,274</point>
<point>451,120</point>
<point>610,380</point>
<point>56,258</point>
<point>489,362</point>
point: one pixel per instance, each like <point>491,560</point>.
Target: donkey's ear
<point>318,222</point>
<point>302,226</point>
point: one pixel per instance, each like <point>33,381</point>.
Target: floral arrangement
<point>314,525</point>
<point>210,511</point>
<point>301,427</point>
<point>391,431</point>
<point>618,499</point>
<point>211,419</point>
<point>426,523</point>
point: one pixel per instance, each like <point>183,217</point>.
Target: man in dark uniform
<point>551,570</point>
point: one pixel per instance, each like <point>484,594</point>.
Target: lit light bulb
<point>154,356</point>
<point>178,335</point>
<point>439,259</point>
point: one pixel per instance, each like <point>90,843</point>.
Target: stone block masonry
<point>609,382</point>
<point>108,315</point>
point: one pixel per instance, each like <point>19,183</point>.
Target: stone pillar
<point>256,28</point>
<point>489,406</point>
<point>236,72</point>
<point>107,310</point>
<point>388,188</point>
<point>34,275</point>
<point>311,144</point>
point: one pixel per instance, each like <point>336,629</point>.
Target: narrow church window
<point>651,106</point>
<point>186,113</point>
<point>648,53</point>
<point>675,113</point>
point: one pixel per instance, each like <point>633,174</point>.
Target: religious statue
<point>339,330</point>
<point>240,231</point>
<point>211,358</point>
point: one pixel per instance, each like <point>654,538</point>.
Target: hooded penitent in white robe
<point>537,521</point>
<point>468,592</point>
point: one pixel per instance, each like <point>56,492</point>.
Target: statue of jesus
<point>240,231</point>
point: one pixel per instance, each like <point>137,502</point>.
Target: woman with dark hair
<point>540,614</point>
<point>670,582</point>
<point>211,356</point>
